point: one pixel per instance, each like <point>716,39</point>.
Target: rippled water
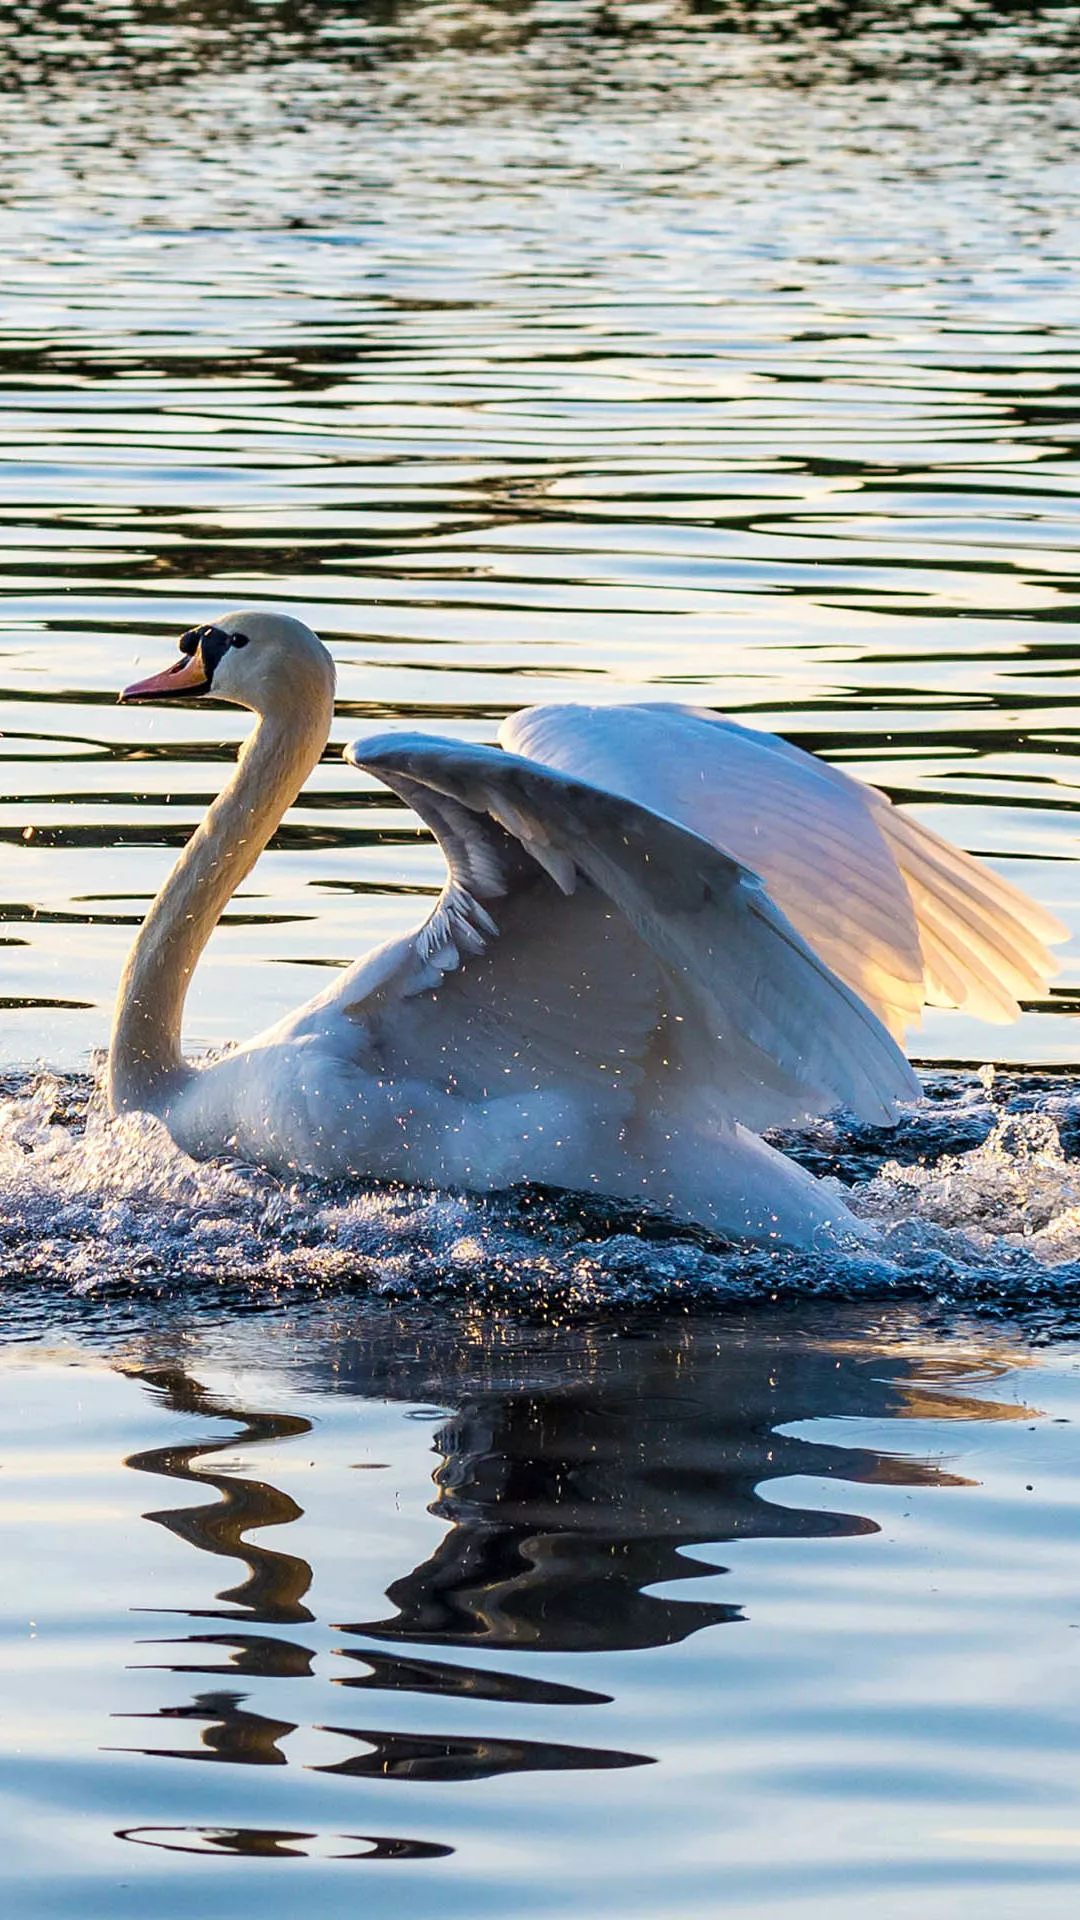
<point>771,1613</point>
<point>532,352</point>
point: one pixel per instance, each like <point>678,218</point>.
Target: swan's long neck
<point>145,1061</point>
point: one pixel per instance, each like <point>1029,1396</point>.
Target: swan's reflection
<point>277,1582</point>
<point>577,1471</point>
<point>229,1732</point>
<point>574,1491</point>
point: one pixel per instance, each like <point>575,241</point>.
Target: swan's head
<point>266,661</point>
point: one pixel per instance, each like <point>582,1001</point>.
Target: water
<point>532,353</point>
<point>774,1610</point>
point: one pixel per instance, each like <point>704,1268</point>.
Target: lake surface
<point>766,1615</point>
<point>527,354</point>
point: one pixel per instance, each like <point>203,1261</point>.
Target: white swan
<point>605,995</point>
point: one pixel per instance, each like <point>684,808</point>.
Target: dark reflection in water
<point>566,1503</point>
<point>277,1582</point>
<point>281,1843</point>
<point>577,1472</point>
<point>392,1673</point>
<point>420,1756</point>
<point>232,1733</point>
<point>252,1653</point>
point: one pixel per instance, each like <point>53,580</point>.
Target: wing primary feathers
<point>902,916</point>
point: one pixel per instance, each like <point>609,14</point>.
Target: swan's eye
<point>239,639</point>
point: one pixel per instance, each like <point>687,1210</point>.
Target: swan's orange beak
<point>187,675</point>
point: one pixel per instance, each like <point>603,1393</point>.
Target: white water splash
<point>106,1200</point>
<point>1016,1190</point>
<point>90,1203</point>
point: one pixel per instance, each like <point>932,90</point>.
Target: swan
<point>661,933</point>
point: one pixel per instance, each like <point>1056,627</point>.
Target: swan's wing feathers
<point>484,864</point>
<point>903,917</point>
<point>985,944</point>
<point>562,1001</point>
<point>786,1035</point>
<point>809,835</point>
<point>547,989</point>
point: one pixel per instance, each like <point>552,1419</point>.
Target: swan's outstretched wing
<point>582,937</point>
<point>901,916</point>
<point>984,942</point>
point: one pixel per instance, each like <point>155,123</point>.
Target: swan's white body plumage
<point>660,934</point>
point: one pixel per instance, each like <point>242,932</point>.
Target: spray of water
<point>979,1203</point>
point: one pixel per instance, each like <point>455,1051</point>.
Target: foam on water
<point>976,1197</point>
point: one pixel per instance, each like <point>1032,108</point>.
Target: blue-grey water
<point>525,1556</point>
